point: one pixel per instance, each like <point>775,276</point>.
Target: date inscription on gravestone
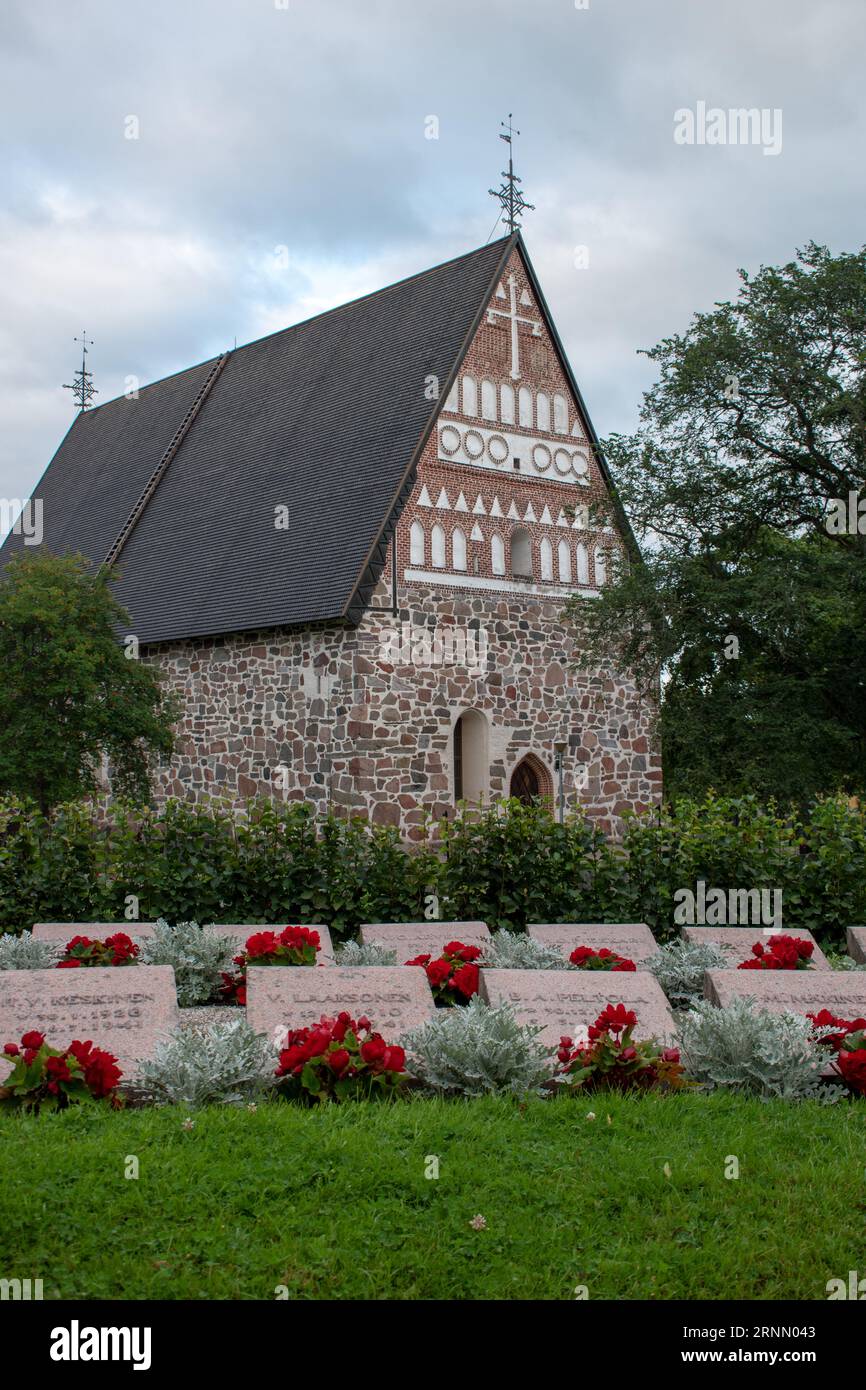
<point>125,1009</point>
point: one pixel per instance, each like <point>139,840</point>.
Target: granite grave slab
<point>126,1009</point>
<point>797,991</point>
<point>394,998</point>
<point>857,944</point>
<point>634,940</point>
<point>411,939</point>
<point>740,940</point>
<point>567,1002</point>
<point>61,932</point>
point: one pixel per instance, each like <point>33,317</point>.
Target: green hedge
<point>510,866</point>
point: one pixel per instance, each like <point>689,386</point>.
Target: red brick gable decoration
<point>509,493</point>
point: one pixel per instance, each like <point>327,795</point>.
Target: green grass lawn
<point>334,1204</point>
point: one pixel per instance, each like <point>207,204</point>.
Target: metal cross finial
<point>509,195</point>
<point>82,387</point>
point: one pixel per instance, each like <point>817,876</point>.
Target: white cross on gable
<point>515,318</point>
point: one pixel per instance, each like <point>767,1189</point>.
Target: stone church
<point>349,545</point>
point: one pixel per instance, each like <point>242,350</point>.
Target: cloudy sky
<point>282,166</point>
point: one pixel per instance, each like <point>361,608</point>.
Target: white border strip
<point>501,586</point>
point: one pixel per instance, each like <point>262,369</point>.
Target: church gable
<point>514,445</point>
<point>522,381</point>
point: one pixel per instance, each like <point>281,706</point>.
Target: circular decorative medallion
<point>562,459</point>
<point>473,444</point>
<point>580,464</point>
<point>541,457</point>
<point>497,448</point>
<point>449,438</point>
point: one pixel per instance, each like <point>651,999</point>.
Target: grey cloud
<point>304,128</point>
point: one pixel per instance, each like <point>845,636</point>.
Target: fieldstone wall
<point>356,720</point>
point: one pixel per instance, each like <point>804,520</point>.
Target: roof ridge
<point>313,318</point>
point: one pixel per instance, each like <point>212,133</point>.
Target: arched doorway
<point>530,780</point>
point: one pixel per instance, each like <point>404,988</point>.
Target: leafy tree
<point>757,421</point>
<point>68,692</point>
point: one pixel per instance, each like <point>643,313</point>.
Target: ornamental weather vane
<point>82,387</point>
<point>509,195</point>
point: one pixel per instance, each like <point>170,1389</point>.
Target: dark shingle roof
<point>326,418</point>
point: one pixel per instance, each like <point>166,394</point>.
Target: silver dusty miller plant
<point>747,1049</point>
<point>196,956</point>
<point>679,968</point>
<point>359,953</point>
<point>24,952</point>
<point>478,1049</point>
<point>509,950</point>
<point>221,1064</point>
